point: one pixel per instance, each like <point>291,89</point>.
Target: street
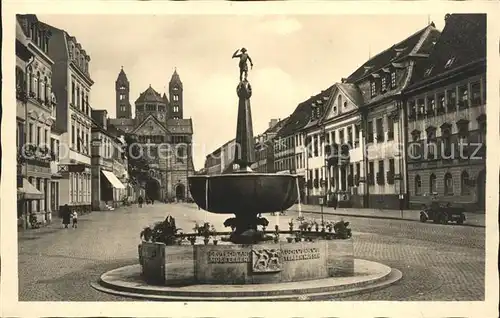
<point>439,262</point>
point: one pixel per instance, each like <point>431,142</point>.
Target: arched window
<point>39,85</point>
<point>35,84</point>
<point>448,184</point>
<point>339,101</point>
<point>29,80</point>
<point>46,91</point>
<point>42,89</point>
<point>418,185</point>
<point>432,184</point>
<point>464,183</point>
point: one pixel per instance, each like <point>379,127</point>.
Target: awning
<point>113,179</point>
<point>28,192</point>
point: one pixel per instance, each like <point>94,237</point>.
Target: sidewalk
<point>472,219</point>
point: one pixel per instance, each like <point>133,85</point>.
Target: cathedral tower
<point>175,91</point>
<point>122,89</point>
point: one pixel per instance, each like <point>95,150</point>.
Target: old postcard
<point>310,157</point>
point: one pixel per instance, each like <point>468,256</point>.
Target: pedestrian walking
<point>140,201</point>
<point>335,201</point>
<point>74,216</point>
<point>66,215</point>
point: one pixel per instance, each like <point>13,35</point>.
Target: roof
<point>277,127</point>
<point>462,41</point>
<point>175,79</point>
<point>180,126</point>
<point>352,91</point>
<point>150,95</point>
<point>326,95</point>
<point>392,54</point>
<point>122,77</point>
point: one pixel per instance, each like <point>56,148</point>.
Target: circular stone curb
<point>369,276</point>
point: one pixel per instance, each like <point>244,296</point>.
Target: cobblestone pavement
<point>439,262</point>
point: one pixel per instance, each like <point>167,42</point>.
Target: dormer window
<point>393,79</point>
<point>449,63</point>
<point>373,88</point>
<point>428,71</point>
<point>384,84</point>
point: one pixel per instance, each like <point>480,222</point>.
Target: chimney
<point>273,122</point>
<point>101,117</point>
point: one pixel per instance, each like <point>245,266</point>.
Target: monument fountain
<point>249,263</point>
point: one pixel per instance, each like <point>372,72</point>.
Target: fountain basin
<point>236,264</point>
<point>244,193</point>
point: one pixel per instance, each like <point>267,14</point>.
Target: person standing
<point>140,201</point>
<point>66,215</point>
<point>335,201</point>
<point>74,216</point>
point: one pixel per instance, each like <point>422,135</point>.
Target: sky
<point>294,58</point>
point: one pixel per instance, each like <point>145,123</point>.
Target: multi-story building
<point>380,81</point>
<point>335,159</point>
<point>35,117</point>
<point>264,147</point>
<point>446,117</point>
<point>109,165</point>
<point>163,134</point>
<point>71,82</point>
<point>314,160</point>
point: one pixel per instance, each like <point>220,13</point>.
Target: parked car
<point>442,212</point>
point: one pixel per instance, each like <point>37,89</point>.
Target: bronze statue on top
<point>244,57</point>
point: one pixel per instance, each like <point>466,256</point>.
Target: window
<point>415,146</point>
<point>441,103</point>
<point>73,93</point>
<point>373,88</point>
<point>464,183</point>
<point>418,185</point>
<point>449,63</point>
<point>412,110</point>
<point>384,84</point>
<point>78,97</point>
<point>475,89</point>
<point>448,184</point>
<point>463,94</point>
<point>176,109</point>
<point>175,97</point>
<point>390,128</point>
<point>432,184</point>
<point>35,85</point>
<point>369,135</point>
<point>380,174</point>
<point>420,108</point>
<point>150,107</point>
<point>30,133</point>
<point>339,101</point>
<point>390,174</point>
<point>139,108</point>
<point>380,129</point>
<point>446,141</point>
<point>73,136</point>
<point>431,143</point>
<point>38,136</point>
<point>371,173</point>
<point>78,139</point>
<point>431,106</point>
<point>451,97</point>
<point>122,97</point>
<point>393,79</point>
<point>356,133</point>
<point>341,136</point>
<point>122,108</point>
<point>349,136</point>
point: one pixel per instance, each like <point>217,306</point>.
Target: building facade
<point>110,186</point>
<point>71,82</point>
<point>164,136</point>
<point>445,110</point>
<point>380,81</point>
<point>36,115</point>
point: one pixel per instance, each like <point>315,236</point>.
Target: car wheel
<point>423,218</point>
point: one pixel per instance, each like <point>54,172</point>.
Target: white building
<point>72,83</point>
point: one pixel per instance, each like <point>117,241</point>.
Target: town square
<point>190,174</point>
